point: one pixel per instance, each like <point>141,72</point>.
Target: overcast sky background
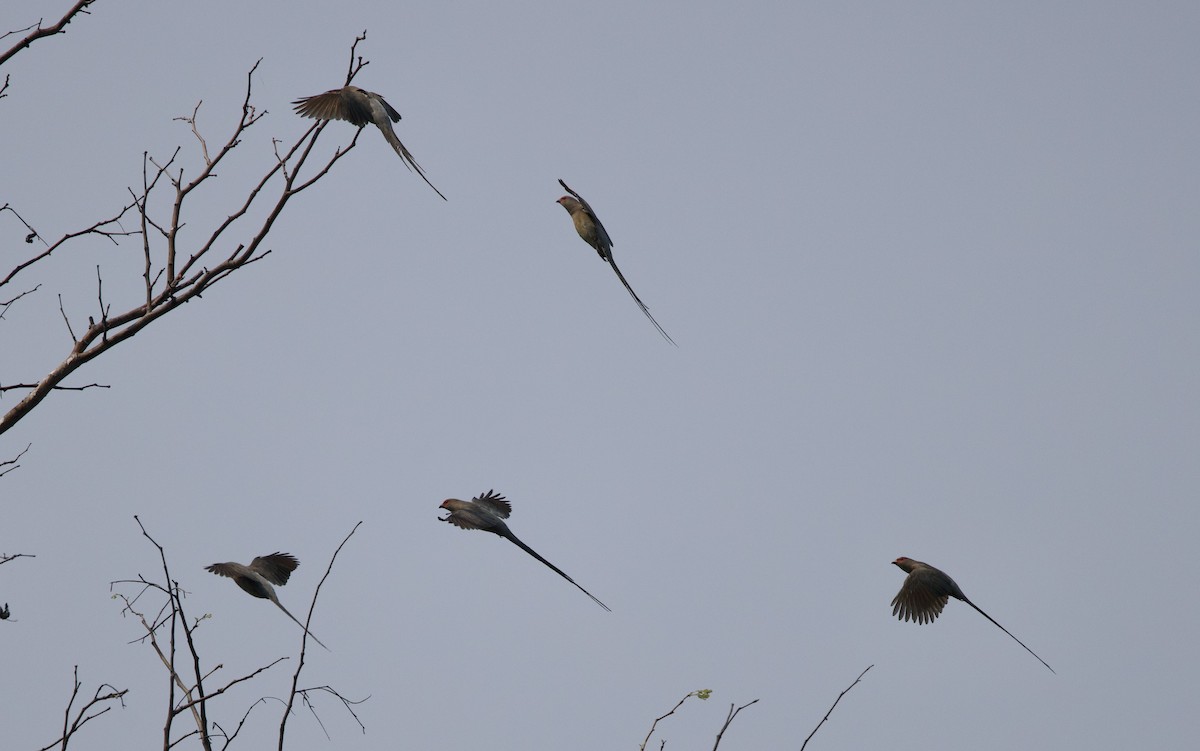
<point>932,269</point>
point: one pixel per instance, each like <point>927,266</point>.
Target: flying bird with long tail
<point>589,227</point>
<point>488,512</point>
<point>258,578</point>
<point>361,107</point>
<point>925,592</point>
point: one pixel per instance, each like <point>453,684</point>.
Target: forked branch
<point>88,712</point>
<point>172,274</point>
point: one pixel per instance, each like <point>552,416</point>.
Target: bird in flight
<point>488,512</point>
<point>257,578</point>
<point>361,107</point>
<point>926,590</point>
<point>588,225</point>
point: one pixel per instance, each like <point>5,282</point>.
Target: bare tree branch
<point>4,557</point>
<point>291,700</point>
<point>193,698</point>
<point>70,727</point>
<point>347,703</point>
<point>831,708</point>
<point>183,275</point>
<point>356,64</point>
<point>729,719</point>
<point>109,228</point>
<point>29,238</point>
<point>11,464</point>
<point>228,738</point>
<point>56,388</point>
<point>40,31</point>
<point>703,693</point>
<point>6,304</point>
<point>172,622</point>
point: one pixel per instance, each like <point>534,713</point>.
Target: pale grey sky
<point>932,269</point>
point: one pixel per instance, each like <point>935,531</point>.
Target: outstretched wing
<point>276,567</point>
<point>921,598</point>
<point>495,503</point>
<point>232,570</point>
<point>339,104</point>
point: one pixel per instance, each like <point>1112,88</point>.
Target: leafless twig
<point>348,703</point>
<point>193,697</point>
<point>70,727</point>
<point>728,719</point>
<point>109,228</point>
<point>56,388</point>
<point>11,464</point>
<point>33,235</point>
<point>4,557</point>
<point>6,304</point>
<point>703,693</point>
<point>181,274</point>
<point>831,708</point>
<point>228,738</point>
<point>40,31</point>
<point>291,700</point>
<point>356,64</point>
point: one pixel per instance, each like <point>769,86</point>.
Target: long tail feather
<point>1018,641</point>
<point>513,538</point>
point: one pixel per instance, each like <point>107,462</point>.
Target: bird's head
<point>906,564</point>
<point>448,504</point>
<point>568,203</point>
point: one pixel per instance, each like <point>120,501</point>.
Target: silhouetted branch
<point>171,622</point>
<point>5,304</point>
<point>29,238</point>
<point>70,727</point>
<point>348,703</point>
<point>228,738</point>
<point>728,719</point>
<point>702,694</point>
<point>182,274</point>
<point>193,698</point>
<point>56,388</point>
<point>40,31</point>
<point>4,557</point>
<point>356,64</point>
<point>11,465</point>
<point>108,228</point>
<point>304,646</point>
<point>831,708</point>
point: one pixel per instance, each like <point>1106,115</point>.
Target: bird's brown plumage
<point>592,230</point>
<point>361,107</point>
<point>925,592</point>
<point>257,579</point>
<point>488,512</point>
